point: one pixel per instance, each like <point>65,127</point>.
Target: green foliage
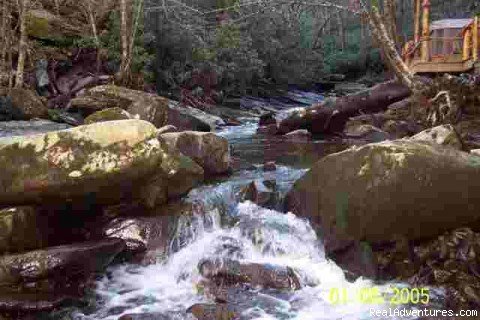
<point>228,36</point>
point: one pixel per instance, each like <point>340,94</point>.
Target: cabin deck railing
<point>445,50</point>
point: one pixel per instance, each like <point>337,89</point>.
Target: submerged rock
<point>113,160</point>
<point>147,106</point>
<point>368,133</point>
<point>108,114</point>
<point>223,311</point>
<point>210,151</point>
<point>444,135</point>
<point>267,119</point>
<point>382,190</point>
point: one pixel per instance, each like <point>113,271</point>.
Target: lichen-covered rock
<point>112,160</point>
<point>207,149</point>
<point>108,114</point>
<point>381,190</point>
<point>18,230</point>
<point>147,106</point>
<point>23,104</point>
<point>444,135</point>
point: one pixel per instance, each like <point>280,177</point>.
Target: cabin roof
<point>450,24</point>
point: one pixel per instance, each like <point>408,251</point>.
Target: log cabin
<point>448,45</point>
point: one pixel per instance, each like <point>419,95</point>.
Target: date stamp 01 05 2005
<point>373,296</point>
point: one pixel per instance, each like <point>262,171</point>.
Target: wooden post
<point>467,44</point>
<point>425,53</point>
<point>416,17</point>
<point>475,39</point>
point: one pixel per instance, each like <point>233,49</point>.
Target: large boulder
<point>380,191</point>
<point>189,118</point>
<point>207,149</point>
<point>19,230</point>
<point>22,104</point>
<point>42,274</point>
<point>147,106</point>
<point>113,161</point>
<point>444,135</point>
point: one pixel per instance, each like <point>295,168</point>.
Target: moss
<point>108,114</point>
<point>37,26</point>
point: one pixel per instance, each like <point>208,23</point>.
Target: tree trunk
<point>124,67</point>
<point>22,10</point>
<point>4,68</point>
<point>393,59</point>
<point>391,19</point>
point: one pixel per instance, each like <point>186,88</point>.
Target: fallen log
<point>331,117</point>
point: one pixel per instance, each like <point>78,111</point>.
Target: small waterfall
<point>260,235</point>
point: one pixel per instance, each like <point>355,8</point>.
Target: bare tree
<point>22,6</point>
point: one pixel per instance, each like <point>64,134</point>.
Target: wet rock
<point>267,119</point>
<point>224,311</point>
<point>376,191</point>
<point>147,233</point>
<point>259,193</point>
<point>108,114</point>
<point>230,272</point>
<point>18,230</point>
<point>207,149</point>
<point>444,135</point>
<point>57,268</point>
<point>188,118</point>
<point>105,159</point>
<point>19,128</point>
<point>399,110</point>
<point>300,134</point>
<point>41,77</point>
<point>368,133</point>
<point>22,104</point>
<point>147,106</point>
<point>70,118</point>
<point>167,129</point>
<point>269,166</point>
<point>270,129</point>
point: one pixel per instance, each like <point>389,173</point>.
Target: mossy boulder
<point>18,230</point>
<point>146,106</point>
<point>113,160</point>
<point>108,114</point>
<point>207,149</point>
<point>373,193</point>
<point>444,135</point>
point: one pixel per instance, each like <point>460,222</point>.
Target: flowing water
<point>256,235</point>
